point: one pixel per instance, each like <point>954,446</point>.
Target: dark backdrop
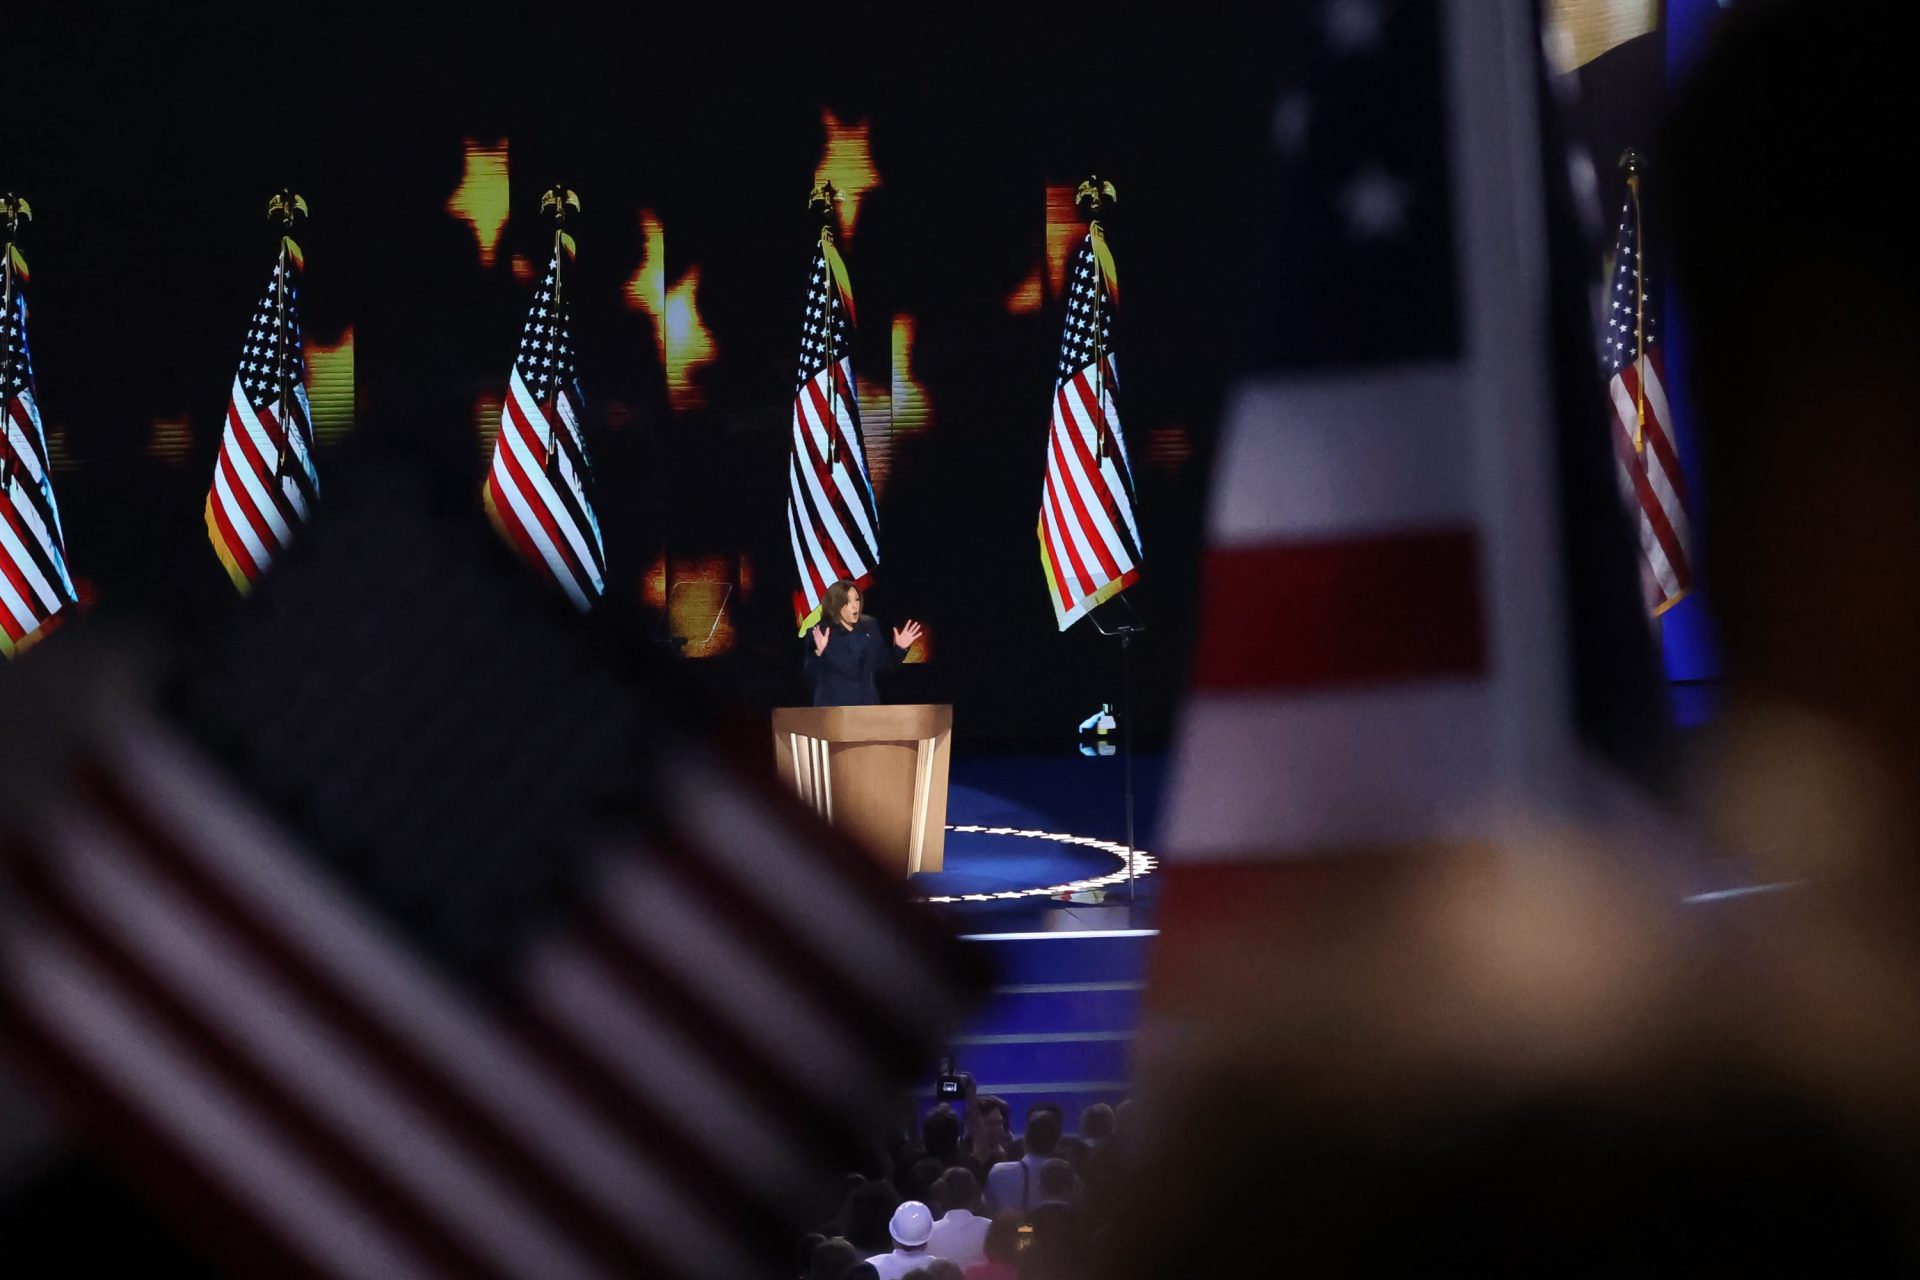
<point>150,144</point>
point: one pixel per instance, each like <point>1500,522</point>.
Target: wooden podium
<point>877,773</point>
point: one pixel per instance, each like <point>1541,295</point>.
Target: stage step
<point>1066,1006</point>
<point>1059,1027</point>
<point>1116,955</point>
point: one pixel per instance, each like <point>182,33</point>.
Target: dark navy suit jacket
<point>843,676</point>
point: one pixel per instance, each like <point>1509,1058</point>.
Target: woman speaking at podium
<point>849,651</point>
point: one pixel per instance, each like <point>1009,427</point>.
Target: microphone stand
<point>1125,632</point>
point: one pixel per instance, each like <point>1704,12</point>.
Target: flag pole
<point>1630,161</point>
<point>1097,194</point>
<point>557,201</point>
<point>820,201</point>
<point>285,207</point>
<point>13,208</point>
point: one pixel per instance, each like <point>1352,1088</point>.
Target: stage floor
<point>1020,826</point>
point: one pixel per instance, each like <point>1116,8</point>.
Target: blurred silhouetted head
<point>922,1178</point>
<point>1056,1180</point>
<point>832,1259</point>
<point>959,1189</point>
<point>1003,1238</point>
<point>940,1133</point>
<point>864,1220</point>
<point>1043,1132</point>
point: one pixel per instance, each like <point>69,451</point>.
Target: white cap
<point>912,1225</point>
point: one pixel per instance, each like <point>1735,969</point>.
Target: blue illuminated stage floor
<point>1064,794</point>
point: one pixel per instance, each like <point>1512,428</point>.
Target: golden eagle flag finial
<point>557,202</point>
<point>287,207</point>
<point>14,210</point>
<point>824,203</point>
<point>1096,195</point>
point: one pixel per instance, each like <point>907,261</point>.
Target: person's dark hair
<point>1043,1131</point>
<point>1056,1180</point>
<point>995,1106</point>
<point>918,1273</point>
<point>1055,1248</point>
<point>959,1189</point>
<point>1096,1122</point>
<point>836,601</point>
<point>922,1179</point>
<point>861,1271</point>
<point>944,1269</point>
<point>1003,1238</point>
<point>831,1259</point>
<point>864,1219</point>
<point>940,1134</point>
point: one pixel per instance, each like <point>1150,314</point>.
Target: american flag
<point>434,947</point>
<point>833,523</point>
<point>537,489</point>
<point>1089,537</point>
<point>1387,658</point>
<point>1650,477</point>
<point>264,482</point>
<point>34,583</point>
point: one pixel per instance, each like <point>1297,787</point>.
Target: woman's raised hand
<point>819,641</point>
<point>906,637</point>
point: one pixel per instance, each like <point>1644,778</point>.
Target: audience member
<point>944,1269</point>
<point>808,1243</point>
<point>832,1259</point>
<point>1002,1249</point>
<point>1073,1149</point>
<point>920,1180</point>
<point>989,1130</point>
<point>1096,1124</point>
<point>940,1136</point>
<point>961,1234</point>
<point>1055,1183</point>
<point>864,1218</point>
<point>1056,1248</point>
<point>1011,1183</point>
<point>1059,1233</point>
<point>911,1227</point>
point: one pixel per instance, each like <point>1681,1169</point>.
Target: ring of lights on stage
<point>1143,864</point>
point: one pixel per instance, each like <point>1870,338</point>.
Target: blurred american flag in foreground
<point>405,936</point>
<point>1418,617</point>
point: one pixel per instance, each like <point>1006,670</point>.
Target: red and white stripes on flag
<point>178,967</point>
<point>1089,536</point>
<point>34,583</point>
<point>537,488</point>
<point>1340,689</point>
<point>264,482</point>
<point>1650,477</point>
<point>833,521</point>
<point>1651,480</point>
